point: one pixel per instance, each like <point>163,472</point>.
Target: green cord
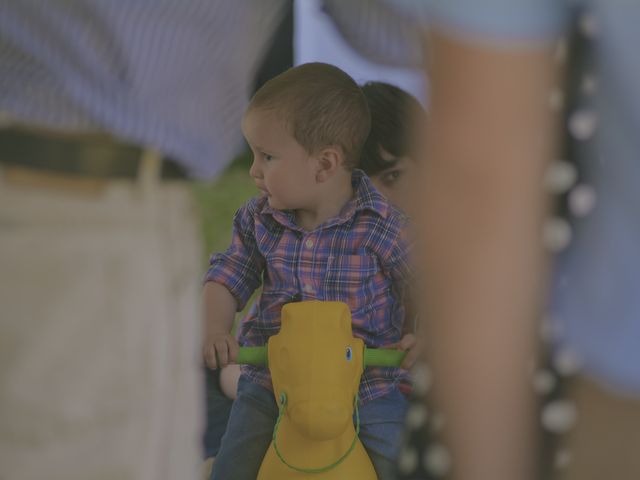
<point>281,409</point>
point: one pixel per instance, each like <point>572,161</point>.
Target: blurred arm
<point>483,204</point>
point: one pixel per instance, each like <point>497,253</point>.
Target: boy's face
<point>281,167</point>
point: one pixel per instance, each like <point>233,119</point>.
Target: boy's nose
<point>255,171</point>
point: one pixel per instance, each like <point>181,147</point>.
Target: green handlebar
<point>373,357</point>
<point>383,357</point>
<point>253,356</point>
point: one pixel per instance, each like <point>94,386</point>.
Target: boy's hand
<point>219,350</point>
<point>408,343</point>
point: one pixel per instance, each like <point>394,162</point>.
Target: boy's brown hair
<point>321,105</point>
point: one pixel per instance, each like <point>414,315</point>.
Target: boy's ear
<point>329,160</point>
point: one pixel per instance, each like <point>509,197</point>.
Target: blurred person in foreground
<point>107,109</point>
<point>491,138</point>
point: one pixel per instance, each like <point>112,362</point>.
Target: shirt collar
<point>366,197</point>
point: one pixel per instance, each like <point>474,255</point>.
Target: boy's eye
<point>267,157</point>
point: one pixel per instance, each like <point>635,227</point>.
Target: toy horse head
<point>316,365</point>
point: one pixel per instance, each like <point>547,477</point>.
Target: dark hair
<point>322,106</point>
<point>395,118</point>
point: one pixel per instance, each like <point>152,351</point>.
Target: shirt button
<point>308,288</point>
<point>309,243</point>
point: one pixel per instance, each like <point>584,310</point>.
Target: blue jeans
<point>253,417</point>
<point>218,407</point>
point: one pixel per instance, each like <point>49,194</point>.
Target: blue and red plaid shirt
<point>358,257</point>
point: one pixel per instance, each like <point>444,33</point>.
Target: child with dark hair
<point>391,151</point>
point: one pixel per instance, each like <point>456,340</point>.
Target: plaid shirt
<point>358,257</point>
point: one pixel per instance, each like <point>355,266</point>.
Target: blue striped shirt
<point>168,74</point>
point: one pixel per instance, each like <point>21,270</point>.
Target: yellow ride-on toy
<point>316,365</point>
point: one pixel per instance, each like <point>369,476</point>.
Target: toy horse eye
<point>349,354</point>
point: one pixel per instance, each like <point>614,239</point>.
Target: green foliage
<point>218,202</point>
